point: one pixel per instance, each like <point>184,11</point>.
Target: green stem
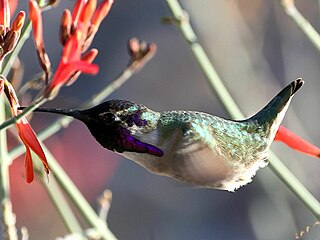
<point>233,110</point>
<point>4,172</point>
<point>77,198</point>
<point>290,8</point>
<point>62,206</point>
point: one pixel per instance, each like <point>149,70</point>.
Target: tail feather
<point>279,103</point>
<point>296,142</point>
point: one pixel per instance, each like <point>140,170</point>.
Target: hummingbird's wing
<point>191,155</point>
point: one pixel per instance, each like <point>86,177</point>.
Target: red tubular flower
<point>30,141</point>
<point>74,36</point>
<point>26,134</point>
<point>101,12</point>
<point>69,65</point>
<point>77,11</point>
<point>88,57</point>
<point>296,142</point>
<point>13,5</point>
<point>36,19</point>
<point>87,18</point>
<point>4,13</point>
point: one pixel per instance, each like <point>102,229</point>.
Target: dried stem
<point>233,110</point>
<point>290,8</point>
<point>105,203</point>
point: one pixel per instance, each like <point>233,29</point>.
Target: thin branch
<point>290,8</point>
<point>77,198</point>
<point>233,110</point>
<point>6,215</point>
<point>61,204</point>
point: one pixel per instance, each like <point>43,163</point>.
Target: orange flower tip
<point>66,18</point>
<point>88,11</point>
<point>101,12</point>
<point>34,11</point>
<point>18,21</point>
<point>4,13</point>
<point>13,5</point>
<point>77,9</point>
<point>90,55</point>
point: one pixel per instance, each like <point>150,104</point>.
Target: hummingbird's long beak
<point>66,112</point>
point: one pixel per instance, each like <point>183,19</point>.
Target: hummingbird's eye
<point>108,117</point>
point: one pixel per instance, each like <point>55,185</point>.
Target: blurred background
<point>257,50</point>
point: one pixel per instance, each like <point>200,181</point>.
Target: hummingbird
<point>193,147</point>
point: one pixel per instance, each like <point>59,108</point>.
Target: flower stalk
<point>292,11</point>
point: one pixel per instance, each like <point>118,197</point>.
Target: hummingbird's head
<point>116,123</point>
<point>122,113</point>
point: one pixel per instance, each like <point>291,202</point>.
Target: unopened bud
<point>88,11</point>
<point>18,21</point>
<point>101,12</point>
<point>65,26</point>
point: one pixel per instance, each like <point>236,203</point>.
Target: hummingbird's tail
<point>66,112</point>
<point>277,107</point>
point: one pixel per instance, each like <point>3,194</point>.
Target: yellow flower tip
<point>18,21</point>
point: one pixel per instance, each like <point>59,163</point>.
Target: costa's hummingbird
<point>193,147</point>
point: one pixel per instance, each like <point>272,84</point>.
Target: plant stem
<point>4,174</point>
<point>233,110</point>
<point>290,8</point>
<point>62,206</point>
<point>77,198</point>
